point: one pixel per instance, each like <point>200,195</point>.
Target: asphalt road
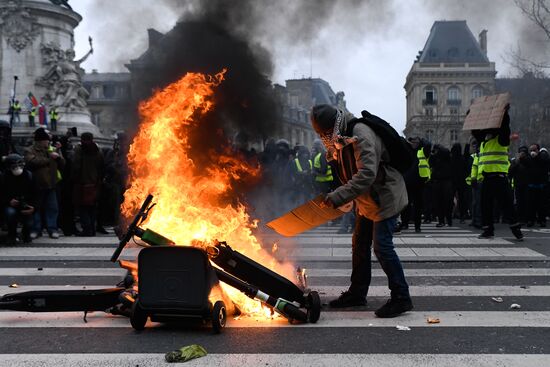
<point>453,277</point>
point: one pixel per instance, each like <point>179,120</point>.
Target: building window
<point>429,135</point>
<point>430,96</point>
<point>454,136</point>
<point>452,52</point>
<point>453,96</point>
<point>109,91</point>
<point>96,92</point>
<point>453,111</point>
<point>477,92</point>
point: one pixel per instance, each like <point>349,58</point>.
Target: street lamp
<point>15,78</point>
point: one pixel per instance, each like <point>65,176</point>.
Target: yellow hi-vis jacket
<point>493,157</point>
<point>54,115</point>
<point>423,165</point>
<point>327,177</point>
<point>474,171</point>
<point>299,166</point>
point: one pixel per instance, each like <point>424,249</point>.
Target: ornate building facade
<point>295,101</point>
<point>110,102</point>
<point>113,97</point>
<point>446,76</point>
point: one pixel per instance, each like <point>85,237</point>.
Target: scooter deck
<point>259,276</point>
<point>62,300</point>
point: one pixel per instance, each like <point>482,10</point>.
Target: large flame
<point>189,206</point>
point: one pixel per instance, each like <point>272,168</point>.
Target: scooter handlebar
<point>131,228</point>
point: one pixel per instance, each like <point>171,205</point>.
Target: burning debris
<point>191,200</point>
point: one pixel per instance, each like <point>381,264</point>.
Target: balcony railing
<point>429,102</point>
<point>454,102</point>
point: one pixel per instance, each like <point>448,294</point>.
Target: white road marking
<point>358,319</point>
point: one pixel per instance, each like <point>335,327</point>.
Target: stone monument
<point>37,46</point>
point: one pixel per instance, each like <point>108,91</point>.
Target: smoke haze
<point>364,48</point>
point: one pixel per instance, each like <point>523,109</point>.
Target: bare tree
<point>538,12</point>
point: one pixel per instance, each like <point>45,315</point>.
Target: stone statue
<point>64,77</point>
<point>64,3</point>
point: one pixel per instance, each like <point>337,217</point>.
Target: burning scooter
<point>176,282</point>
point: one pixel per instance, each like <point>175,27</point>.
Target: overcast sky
<point>364,48</point>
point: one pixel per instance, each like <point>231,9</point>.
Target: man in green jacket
<point>44,163</point>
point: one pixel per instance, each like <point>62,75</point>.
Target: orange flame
<point>189,208</point>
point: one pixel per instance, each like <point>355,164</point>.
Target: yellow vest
<point>299,166</point>
<point>53,115</point>
<point>423,165</point>
<point>327,177</point>
<point>493,157</point>
<point>58,173</point>
<point>474,171</point>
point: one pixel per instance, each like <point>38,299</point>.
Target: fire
<point>189,207</point>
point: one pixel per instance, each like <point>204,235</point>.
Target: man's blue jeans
<point>14,216</point>
<point>46,208</point>
<point>380,236</point>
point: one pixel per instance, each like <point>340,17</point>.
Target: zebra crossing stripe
<point>274,360</point>
<point>472,272</point>
<point>61,272</point>
<point>448,291</point>
<point>355,319</point>
<point>311,272</point>
<point>374,291</point>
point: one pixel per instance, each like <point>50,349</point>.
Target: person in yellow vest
<point>415,180</point>
<point>322,171</point>
<point>16,112</point>
<point>302,167</point>
<point>54,117</point>
<point>493,165</point>
<point>32,116</point>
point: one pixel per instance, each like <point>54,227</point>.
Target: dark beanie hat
<point>323,117</point>
<point>524,149</point>
<point>87,136</point>
<point>40,134</point>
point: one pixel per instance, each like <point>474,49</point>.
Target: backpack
<point>400,156</point>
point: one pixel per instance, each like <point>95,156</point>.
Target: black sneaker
<point>486,234</point>
<point>394,307</point>
<point>439,225</point>
<point>348,299</point>
<point>102,230</point>
<point>516,231</point>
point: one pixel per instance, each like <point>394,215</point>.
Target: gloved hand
<point>327,203</point>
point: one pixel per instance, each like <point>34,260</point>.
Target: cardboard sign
<point>304,218</point>
<point>486,112</point>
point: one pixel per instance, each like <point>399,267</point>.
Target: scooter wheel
<point>314,307</point>
<point>219,317</point>
<point>138,318</point>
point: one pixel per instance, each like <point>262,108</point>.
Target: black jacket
<point>17,187</point>
<point>440,163</point>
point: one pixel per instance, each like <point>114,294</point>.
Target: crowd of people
<point>55,186</point>
<point>449,184</point>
